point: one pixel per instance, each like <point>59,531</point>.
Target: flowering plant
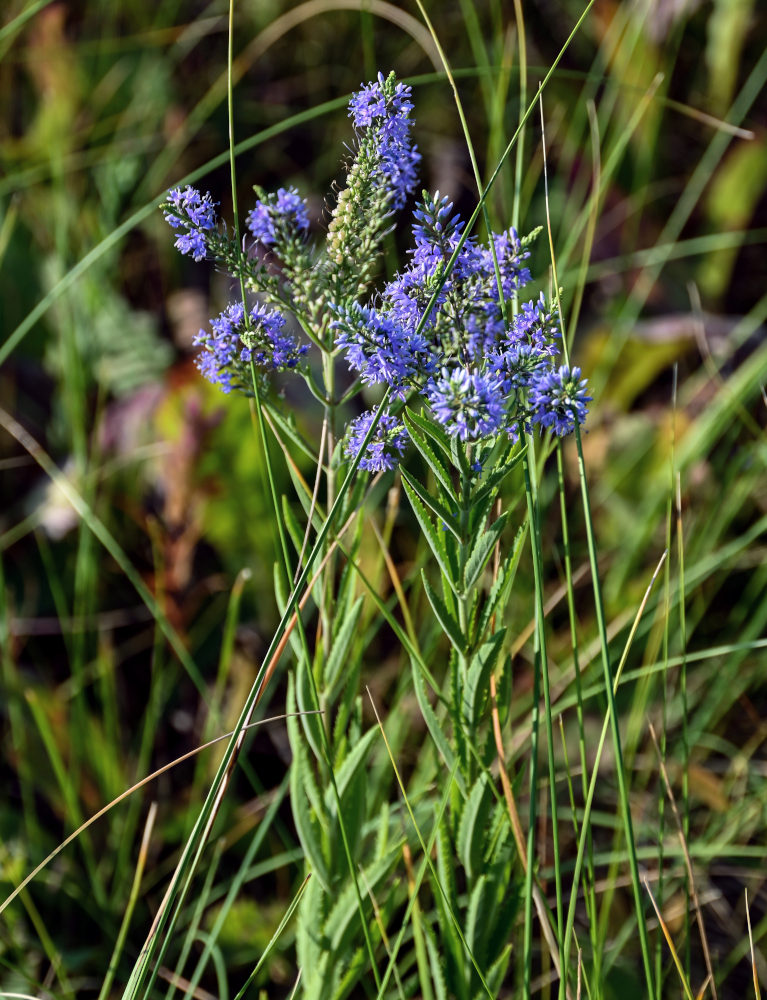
<point>468,371</point>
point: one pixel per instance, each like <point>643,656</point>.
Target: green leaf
<point>436,965</point>
<point>287,425</point>
<point>472,829</point>
<point>499,592</point>
<point>447,517</point>
<point>344,917</point>
<point>433,456</point>
<point>478,515</point>
<point>313,954</point>
<point>307,826</point>
<point>478,677</point>
<point>495,478</point>
<point>282,601</point>
<point>311,721</point>
<point>291,523</point>
<point>339,651</point>
<point>480,553</point>
<point>431,429</point>
<point>449,624</point>
<point>433,536</point>
<point>353,762</point>
<point>432,724</point>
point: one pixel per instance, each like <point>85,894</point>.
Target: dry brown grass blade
<point>395,582</point>
<point>519,837</point>
<point>179,983</point>
<point>688,863</point>
<point>669,942</point>
<point>757,991</point>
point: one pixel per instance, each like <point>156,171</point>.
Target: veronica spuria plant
<point>470,368</point>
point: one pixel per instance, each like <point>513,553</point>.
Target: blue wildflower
<point>535,324</point>
<point>517,366</point>
<point>558,398</point>
<point>381,109</point>
<point>195,212</point>
<point>509,255</point>
<point>236,339</point>
<point>384,449</point>
<point>470,405</point>
<point>278,216</point>
<point>382,350</point>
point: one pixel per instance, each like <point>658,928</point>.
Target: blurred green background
<point>656,137</point>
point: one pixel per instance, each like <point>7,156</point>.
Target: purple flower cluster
<point>380,349</point>
<point>558,398</point>
<point>386,446</point>
<point>469,404</point>
<point>278,217</point>
<point>449,326</point>
<point>381,113</point>
<point>194,212</point>
<point>480,370</point>
<point>237,339</point>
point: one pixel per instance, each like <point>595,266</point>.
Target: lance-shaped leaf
<point>480,553</point>
<point>433,536</point>
<point>343,919</point>
<point>472,831</point>
<point>434,431</point>
<point>339,651</point>
<point>478,677</point>
<point>433,725</point>
<point>450,625</point>
<point>496,476</point>
<point>433,456</point>
<point>499,592</point>
<point>448,517</point>
<point>301,791</point>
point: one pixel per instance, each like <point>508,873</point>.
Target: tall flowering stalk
<point>467,377</point>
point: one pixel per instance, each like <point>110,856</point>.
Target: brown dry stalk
<point>688,863</point>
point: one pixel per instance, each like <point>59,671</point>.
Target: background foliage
<point>659,215</point>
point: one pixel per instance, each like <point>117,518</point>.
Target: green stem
<point>615,731</point>
<point>535,539</point>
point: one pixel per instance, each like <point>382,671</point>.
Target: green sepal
<point>450,626</point>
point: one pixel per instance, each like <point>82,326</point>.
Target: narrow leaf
<point>480,553</point>
<point>433,536</point>
<point>450,626</point>
<point>434,457</point>
<point>447,517</point>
